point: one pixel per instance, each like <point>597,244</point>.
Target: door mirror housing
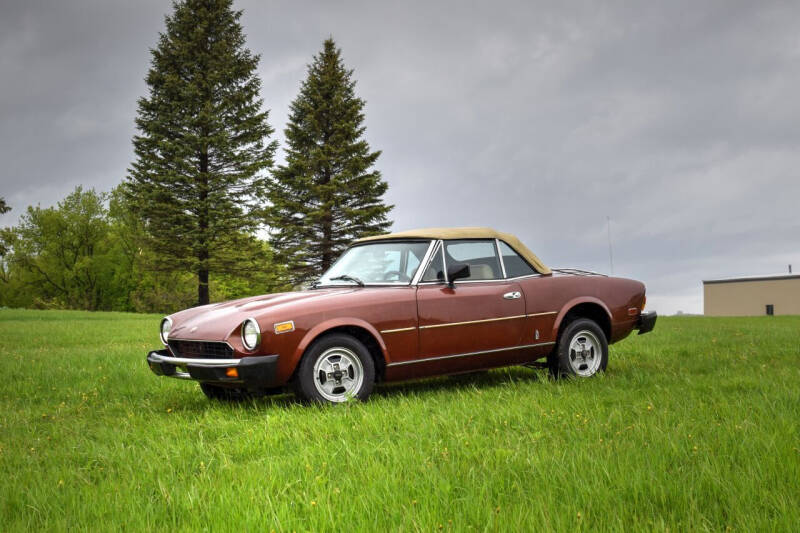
<point>457,271</point>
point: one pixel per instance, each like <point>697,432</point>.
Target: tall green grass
<point>693,427</point>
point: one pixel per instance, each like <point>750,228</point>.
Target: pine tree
<point>327,193</point>
<point>198,179</point>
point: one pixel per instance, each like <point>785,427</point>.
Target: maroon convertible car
<point>403,306</point>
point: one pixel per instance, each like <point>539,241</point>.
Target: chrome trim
<point>535,275</point>
<point>496,280</point>
<point>398,330</point>
<point>424,263</point>
<point>258,334</point>
<point>428,260</point>
<point>469,354</point>
<point>189,361</point>
<point>578,272</point>
<point>444,263</point>
<point>164,340</point>
<point>500,257</point>
<point>448,324</point>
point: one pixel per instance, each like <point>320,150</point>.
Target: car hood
<point>218,321</point>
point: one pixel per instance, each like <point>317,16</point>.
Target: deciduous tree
<point>62,253</point>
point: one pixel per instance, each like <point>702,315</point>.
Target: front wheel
<point>334,369</point>
<point>582,350</point>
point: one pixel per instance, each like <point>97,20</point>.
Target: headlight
<point>251,334</point>
<point>166,325</point>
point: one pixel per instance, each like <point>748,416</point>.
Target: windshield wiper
<point>347,277</point>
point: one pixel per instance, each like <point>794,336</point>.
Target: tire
<point>334,369</point>
<point>582,351</point>
<point>224,394</point>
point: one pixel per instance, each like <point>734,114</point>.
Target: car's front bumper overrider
<point>252,372</point>
<point>646,322</point>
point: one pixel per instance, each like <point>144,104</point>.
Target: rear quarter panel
<point>548,299</point>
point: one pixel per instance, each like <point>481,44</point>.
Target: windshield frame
<point>414,279</point>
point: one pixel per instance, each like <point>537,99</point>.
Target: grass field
<point>694,427</point>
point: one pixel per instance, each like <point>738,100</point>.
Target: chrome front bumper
<point>253,372</point>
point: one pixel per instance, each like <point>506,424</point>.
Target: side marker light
<point>284,327</point>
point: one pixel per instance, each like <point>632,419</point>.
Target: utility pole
<point>610,253</point>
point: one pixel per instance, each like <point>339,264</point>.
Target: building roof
<point>467,233</point>
<point>766,277</point>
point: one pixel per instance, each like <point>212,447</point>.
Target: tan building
<point>758,295</point>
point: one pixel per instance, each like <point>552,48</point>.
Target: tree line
<point>204,214</point>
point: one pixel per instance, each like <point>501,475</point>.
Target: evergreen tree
<point>198,182</point>
<point>327,193</point>
<point>4,241</point>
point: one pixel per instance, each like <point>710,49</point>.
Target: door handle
<point>513,295</point>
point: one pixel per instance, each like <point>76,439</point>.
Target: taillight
<point>644,302</point>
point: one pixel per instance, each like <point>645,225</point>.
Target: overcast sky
<point>678,120</point>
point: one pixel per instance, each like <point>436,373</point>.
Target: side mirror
<point>457,271</point>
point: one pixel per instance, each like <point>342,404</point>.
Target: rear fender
<point>571,305</point>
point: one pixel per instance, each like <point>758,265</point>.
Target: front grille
<point>201,349</point>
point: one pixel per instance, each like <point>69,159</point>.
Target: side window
<point>515,265</point>
<point>412,262</point>
<point>391,260</point>
<point>481,256</point>
<point>435,270</point>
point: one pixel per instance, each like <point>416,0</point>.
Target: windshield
<point>393,262</point>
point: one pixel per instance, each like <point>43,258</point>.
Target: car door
<point>542,297</point>
<point>477,322</point>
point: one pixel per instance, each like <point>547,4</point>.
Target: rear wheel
<point>582,350</point>
<point>334,369</point>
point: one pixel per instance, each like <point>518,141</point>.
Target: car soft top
<point>467,233</point>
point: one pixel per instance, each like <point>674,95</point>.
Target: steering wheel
<point>401,276</point>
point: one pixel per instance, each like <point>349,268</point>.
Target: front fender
<point>339,322</point>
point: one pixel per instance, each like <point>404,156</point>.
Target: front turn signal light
<point>232,373</point>
<point>284,327</point>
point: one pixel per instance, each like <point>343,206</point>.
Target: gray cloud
<point>677,120</point>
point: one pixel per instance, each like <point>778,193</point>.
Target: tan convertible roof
<point>466,233</point>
